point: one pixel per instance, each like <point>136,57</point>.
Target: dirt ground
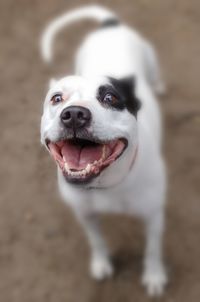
<point>43,252</point>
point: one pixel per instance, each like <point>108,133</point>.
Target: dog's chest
<point>111,201</point>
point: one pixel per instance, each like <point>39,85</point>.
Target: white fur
<point>93,12</point>
<point>140,191</point>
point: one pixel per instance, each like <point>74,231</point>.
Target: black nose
<point>75,117</point>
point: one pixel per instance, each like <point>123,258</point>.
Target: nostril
<point>80,115</point>
<point>67,115</point>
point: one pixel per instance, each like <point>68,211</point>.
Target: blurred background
<point>43,252</point>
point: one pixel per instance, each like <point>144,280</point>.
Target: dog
<point>102,126</point>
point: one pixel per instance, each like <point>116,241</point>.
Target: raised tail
<point>95,12</point>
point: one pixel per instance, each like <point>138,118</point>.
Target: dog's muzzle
<point>79,154</point>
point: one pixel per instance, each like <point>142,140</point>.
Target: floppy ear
<point>52,82</point>
<point>127,86</point>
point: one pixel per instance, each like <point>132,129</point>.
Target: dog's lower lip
<point>81,160</point>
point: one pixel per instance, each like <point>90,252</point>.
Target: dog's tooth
<point>103,152</point>
<point>64,159</point>
<point>92,167</point>
<point>66,166</point>
<point>80,172</point>
<point>83,172</point>
<point>87,169</point>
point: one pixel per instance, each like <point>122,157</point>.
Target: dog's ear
<point>126,86</point>
<point>52,82</point>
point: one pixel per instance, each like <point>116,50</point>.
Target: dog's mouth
<point>81,159</point>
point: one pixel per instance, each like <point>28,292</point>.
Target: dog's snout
<point>75,117</point>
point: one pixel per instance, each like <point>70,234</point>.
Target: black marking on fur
<point>110,23</point>
<point>124,92</point>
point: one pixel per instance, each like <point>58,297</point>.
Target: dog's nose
<point>75,117</point>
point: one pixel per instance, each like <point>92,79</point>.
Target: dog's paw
<point>101,268</point>
<point>154,281</point>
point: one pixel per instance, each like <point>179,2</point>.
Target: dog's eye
<point>56,99</point>
<point>109,98</point>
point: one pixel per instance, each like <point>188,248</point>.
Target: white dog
<point>102,127</point>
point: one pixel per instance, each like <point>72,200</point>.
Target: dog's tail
<point>98,13</point>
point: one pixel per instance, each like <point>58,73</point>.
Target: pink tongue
<point>78,157</point>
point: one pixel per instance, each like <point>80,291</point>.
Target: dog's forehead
<point>85,87</point>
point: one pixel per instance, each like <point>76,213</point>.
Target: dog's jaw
<point>81,160</point>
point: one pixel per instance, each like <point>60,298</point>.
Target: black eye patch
<point>119,94</point>
<point>109,97</point>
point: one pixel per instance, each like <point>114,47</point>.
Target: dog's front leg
<point>154,276</point>
<point>100,265</point>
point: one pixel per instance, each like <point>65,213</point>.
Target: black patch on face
<point>123,95</point>
<point>110,23</point>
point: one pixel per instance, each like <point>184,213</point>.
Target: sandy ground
<point>43,252</point>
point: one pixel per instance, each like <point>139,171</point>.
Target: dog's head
<point>90,128</point>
